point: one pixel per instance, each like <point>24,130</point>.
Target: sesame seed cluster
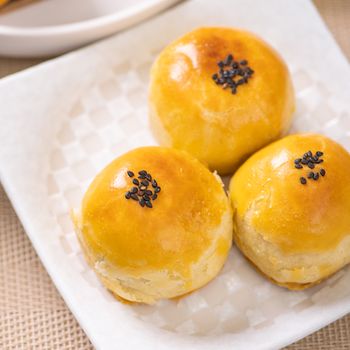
<point>145,189</point>
<point>311,161</point>
<point>232,73</point>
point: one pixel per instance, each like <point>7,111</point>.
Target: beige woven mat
<point>32,313</point>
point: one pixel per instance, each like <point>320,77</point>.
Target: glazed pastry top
<point>297,215</point>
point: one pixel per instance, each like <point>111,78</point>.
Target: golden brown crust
<point>268,185</point>
<point>296,234</point>
<point>189,111</point>
<point>144,254</point>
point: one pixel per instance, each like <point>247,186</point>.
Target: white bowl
<point>51,27</point>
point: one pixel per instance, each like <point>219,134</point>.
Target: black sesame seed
<point>303,180</point>
<point>149,204</point>
<point>311,175</point>
<point>319,153</point>
<point>228,60</point>
<point>140,193</point>
<point>322,172</point>
<point>228,70</point>
<point>311,165</point>
<point>146,198</point>
<point>297,161</point>
<point>316,176</point>
<point>134,197</point>
<point>298,166</point>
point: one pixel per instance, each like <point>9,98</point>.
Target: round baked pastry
<point>155,224</point>
<point>220,94</point>
<point>292,209</point>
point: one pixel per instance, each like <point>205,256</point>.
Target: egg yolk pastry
<point>220,94</point>
<point>292,209</point>
<point>155,224</point>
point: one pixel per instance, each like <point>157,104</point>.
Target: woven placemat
<point>32,313</point>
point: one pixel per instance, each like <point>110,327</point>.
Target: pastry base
<point>289,285</point>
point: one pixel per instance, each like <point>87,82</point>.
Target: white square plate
<point>64,120</point>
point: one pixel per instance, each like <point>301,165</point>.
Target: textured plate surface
<point>65,120</point>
